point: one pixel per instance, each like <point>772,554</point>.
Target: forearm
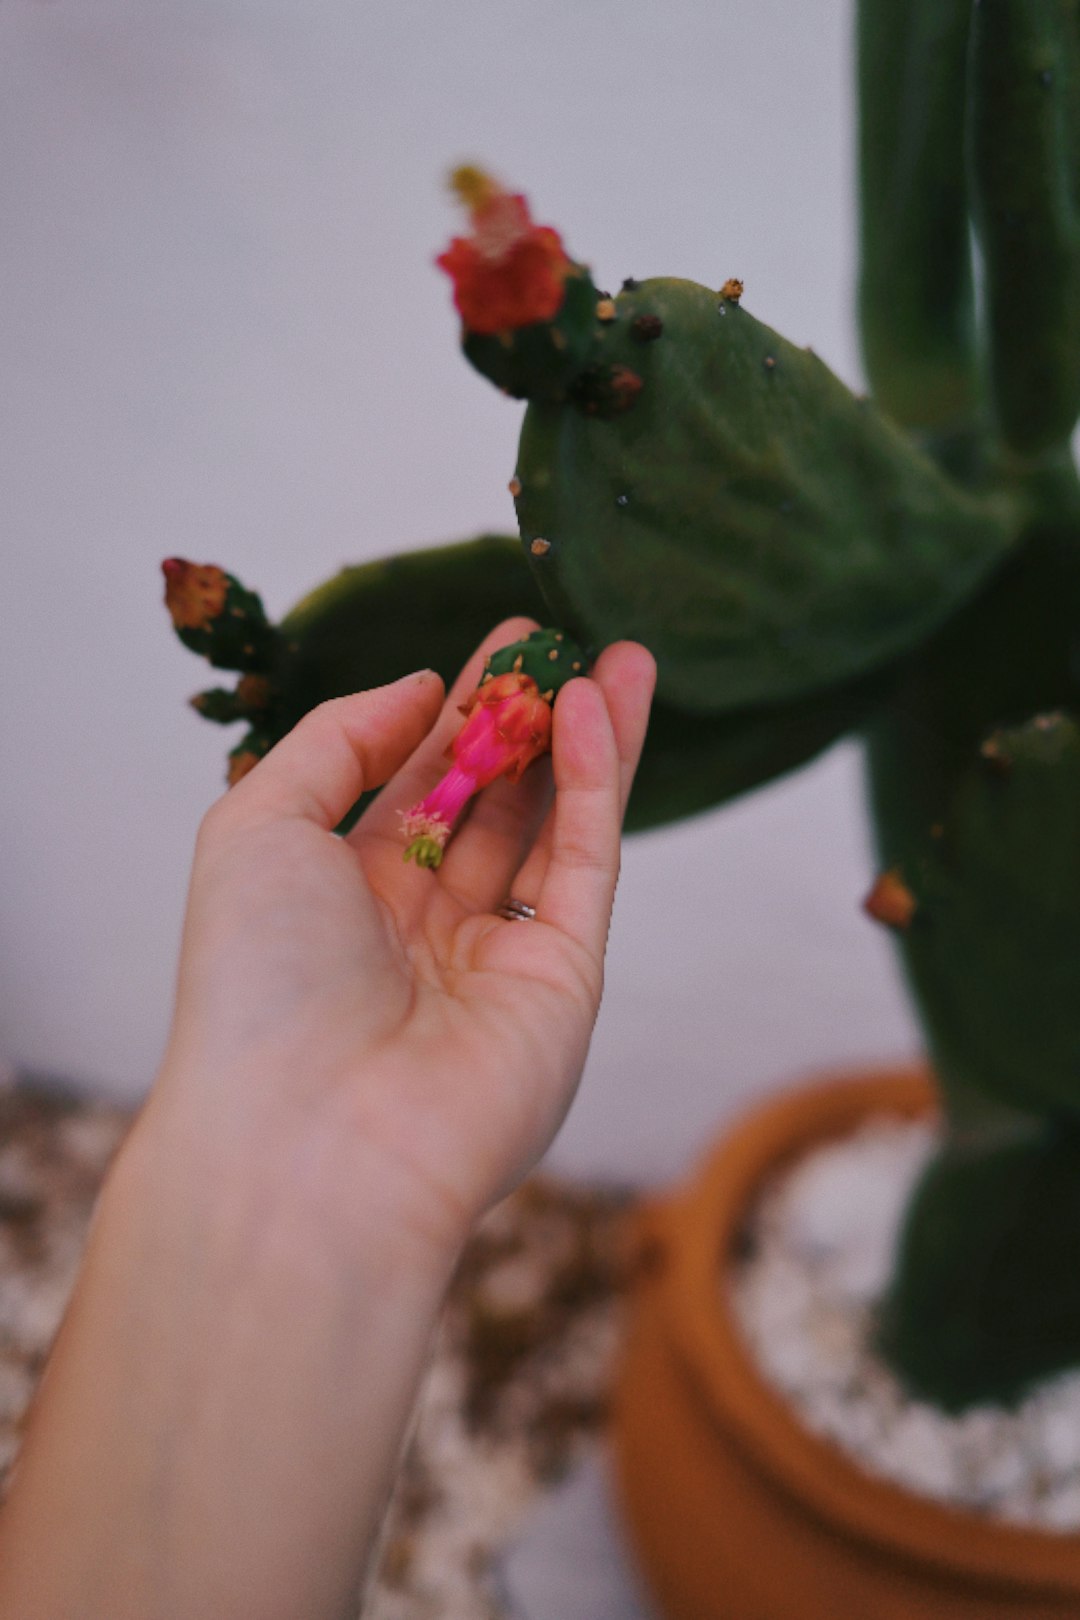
<point>220,1420</point>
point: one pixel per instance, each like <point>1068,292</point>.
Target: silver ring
<point>517,910</point>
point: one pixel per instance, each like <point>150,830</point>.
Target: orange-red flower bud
<point>194,593</point>
<point>508,272</point>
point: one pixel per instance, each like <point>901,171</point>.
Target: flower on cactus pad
<point>508,272</point>
<point>507,726</point>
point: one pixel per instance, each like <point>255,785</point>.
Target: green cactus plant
<point>805,564</point>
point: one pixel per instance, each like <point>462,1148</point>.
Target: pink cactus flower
<point>508,726</point>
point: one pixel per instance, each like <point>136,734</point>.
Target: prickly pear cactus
<point>807,563</point>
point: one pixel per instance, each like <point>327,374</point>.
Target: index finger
<point>320,768</point>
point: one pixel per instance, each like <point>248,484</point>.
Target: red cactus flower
<point>508,272</point>
<point>508,726</point>
<point>194,593</point>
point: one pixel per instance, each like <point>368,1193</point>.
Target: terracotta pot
<point>737,1511</point>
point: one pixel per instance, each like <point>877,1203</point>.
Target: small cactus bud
<point>890,901</point>
<point>219,705</point>
<point>535,654</point>
<point>241,761</point>
<point>732,290</point>
<point>213,614</point>
<point>194,594</point>
<point>246,755</point>
<point>251,698</point>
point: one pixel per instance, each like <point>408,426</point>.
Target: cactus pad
<point>761,530</point>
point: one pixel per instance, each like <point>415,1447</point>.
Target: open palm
<point>389,1013</point>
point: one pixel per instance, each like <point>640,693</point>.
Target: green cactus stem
<point>994,948</point>
<point>761,530</point>
<point>916,297</point>
<point>939,745</point>
<point>985,1298</point>
<point>1025,174</point>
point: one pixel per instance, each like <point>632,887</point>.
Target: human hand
<point>364,1056</point>
<point>377,1026</point>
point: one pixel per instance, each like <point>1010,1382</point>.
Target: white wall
<point>221,335</point>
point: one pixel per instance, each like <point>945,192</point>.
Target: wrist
<point>271,1159</point>
<point>242,1351</point>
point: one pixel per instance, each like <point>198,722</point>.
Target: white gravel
<point>823,1240</point>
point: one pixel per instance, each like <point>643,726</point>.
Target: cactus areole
<point>507,726</point>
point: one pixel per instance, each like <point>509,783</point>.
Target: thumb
<point>337,751</point>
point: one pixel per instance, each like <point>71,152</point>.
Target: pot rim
<point>699,1229</point>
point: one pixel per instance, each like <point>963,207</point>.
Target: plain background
<point>221,335</point>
